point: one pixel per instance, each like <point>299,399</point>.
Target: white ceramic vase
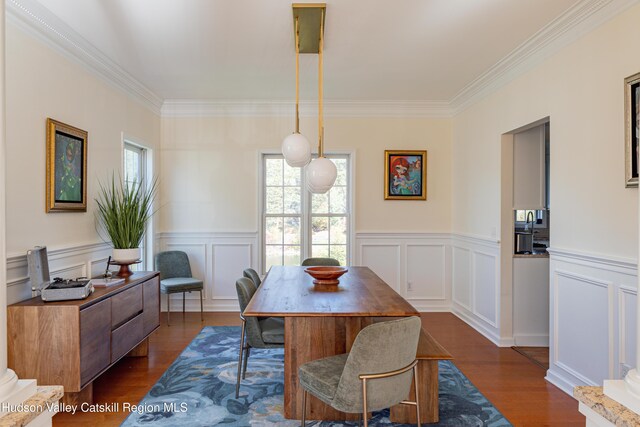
<point>126,255</point>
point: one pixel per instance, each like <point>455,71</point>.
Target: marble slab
<point>617,414</point>
<point>45,397</point>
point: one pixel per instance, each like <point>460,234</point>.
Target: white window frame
<point>306,203</point>
<point>147,162</point>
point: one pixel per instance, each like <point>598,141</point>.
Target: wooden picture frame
<point>405,175</point>
<point>631,128</point>
<point>66,168</point>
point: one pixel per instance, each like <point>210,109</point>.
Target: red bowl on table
<point>326,275</point>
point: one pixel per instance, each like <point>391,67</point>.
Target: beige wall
<point>210,170</point>
<point>42,83</point>
<point>581,89</point>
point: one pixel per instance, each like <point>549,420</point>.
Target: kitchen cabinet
<point>531,301</point>
<point>529,183</point>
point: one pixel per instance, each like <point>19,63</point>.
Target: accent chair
<point>176,277</point>
<point>374,375</point>
<point>309,262</point>
<point>250,273</point>
<point>256,332</point>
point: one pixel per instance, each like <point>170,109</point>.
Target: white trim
<point>476,238</point>
<point>583,17</point>
<point>620,265</point>
<point>35,19</point>
<point>20,259</point>
<point>286,108</point>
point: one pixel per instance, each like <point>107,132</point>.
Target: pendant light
<point>295,147</point>
<point>321,172</point>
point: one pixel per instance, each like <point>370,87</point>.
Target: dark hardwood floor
<point>513,383</point>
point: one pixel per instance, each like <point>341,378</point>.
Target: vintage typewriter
<point>59,289</point>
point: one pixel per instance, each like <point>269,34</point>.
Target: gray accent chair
<point>313,262</point>
<point>374,375</point>
<point>256,332</point>
<point>176,277</point>
<point>250,273</point>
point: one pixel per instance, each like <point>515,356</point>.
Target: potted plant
<point>123,212</point>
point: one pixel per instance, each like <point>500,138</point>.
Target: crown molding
<point>578,20</point>
<point>38,21</point>
<point>277,108</point>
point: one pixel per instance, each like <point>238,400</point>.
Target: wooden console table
<point>70,343</point>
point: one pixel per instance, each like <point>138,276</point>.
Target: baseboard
<point>531,340</point>
<point>479,327</point>
<point>560,382</point>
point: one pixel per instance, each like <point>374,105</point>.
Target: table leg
<point>428,390</point>
<point>311,338</point>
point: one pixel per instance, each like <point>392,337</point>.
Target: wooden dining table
<point>320,323</point>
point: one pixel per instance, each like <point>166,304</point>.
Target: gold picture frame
<point>66,168</point>
<point>405,175</point>
<point>631,128</point>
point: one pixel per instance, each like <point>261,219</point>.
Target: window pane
<point>338,230</point>
<point>273,256</point>
<point>321,251</point>
<point>274,200</point>
<point>338,200</point>
<point>319,230</point>
<point>291,175</point>
<point>292,231</point>
<point>341,165</point>
<point>292,255</point>
<point>292,200</point>
<point>273,171</point>
<point>320,203</point>
<point>339,252</point>
<point>273,231</point>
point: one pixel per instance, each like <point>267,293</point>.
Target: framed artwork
<point>66,168</point>
<point>631,128</point>
<point>405,175</point>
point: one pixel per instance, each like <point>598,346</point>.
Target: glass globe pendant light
<point>295,147</point>
<point>321,172</point>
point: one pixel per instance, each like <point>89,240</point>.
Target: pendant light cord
<point>297,76</point>
<point>320,124</point>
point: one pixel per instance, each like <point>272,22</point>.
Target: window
<point>539,217</point>
<point>298,224</point>
<point>135,171</point>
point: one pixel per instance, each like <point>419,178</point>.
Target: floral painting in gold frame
<point>631,128</point>
<point>66,168</point>
<point>405,175</point>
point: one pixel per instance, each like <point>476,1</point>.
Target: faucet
<point>526,227</point>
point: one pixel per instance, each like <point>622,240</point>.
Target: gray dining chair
<point>176,277</point>
<point>309,262</point>
<point>250,273</point>
<point>256,332</point>
<point>374,375</point>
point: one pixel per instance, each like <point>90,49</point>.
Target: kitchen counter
<point>544,254</point>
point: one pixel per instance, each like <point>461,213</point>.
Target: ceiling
<point>406,50</point>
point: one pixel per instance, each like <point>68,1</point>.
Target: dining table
<point>321,322</point>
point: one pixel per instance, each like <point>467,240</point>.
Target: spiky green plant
<point>124,210</point>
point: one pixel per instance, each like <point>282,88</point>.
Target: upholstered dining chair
<point>256,332</point>
<point>374,375</point>
<point>250,273</point>
<point>320,262</point>
<point>176,277</point>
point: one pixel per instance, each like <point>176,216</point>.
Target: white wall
<point>209,196</point>
<point>595,218</point>
<point>42,83</point>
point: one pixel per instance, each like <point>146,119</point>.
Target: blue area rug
<point>198,389</point>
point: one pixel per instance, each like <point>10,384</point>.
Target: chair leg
<point>183,297</point>
<point>304,408</point>
<point>168,309</point>
<point>201,308</point>
<point>364,402</point>
<point>415,385</point>
<point>240,360</point>
<point>246,361</point>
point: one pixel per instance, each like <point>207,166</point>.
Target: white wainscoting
<point>416,265</point>
<point>592,318</point>
<point>219,258</point>
<point>70,262</point>
<point>476,284</point>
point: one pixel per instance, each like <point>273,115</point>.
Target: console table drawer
<point>125,305</point>
<point>126,337</point>
<point>95,332</point>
